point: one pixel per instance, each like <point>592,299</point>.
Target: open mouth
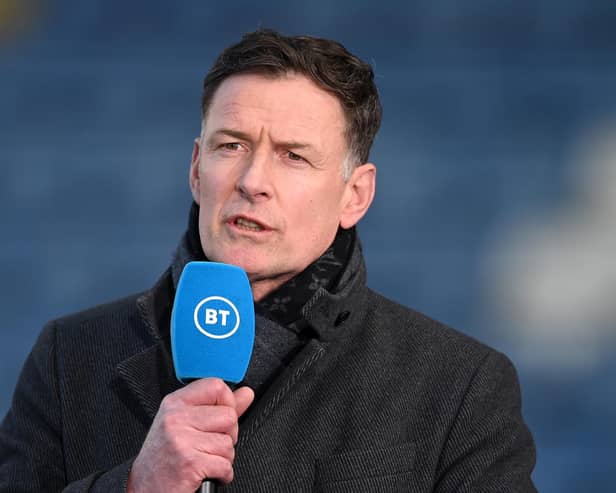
<point>247,224</point>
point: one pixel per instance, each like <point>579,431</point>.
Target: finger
<point>243,399</point>
<point>216,467</point>
<point>219,444</point>
<point>205,391</point>
<point>216,419</point>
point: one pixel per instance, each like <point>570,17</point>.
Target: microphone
<point>212,326</point>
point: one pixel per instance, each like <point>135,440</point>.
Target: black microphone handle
<point>207,486</point>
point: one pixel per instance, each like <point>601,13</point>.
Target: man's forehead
<point>290,108</point>
<point>292,93</point>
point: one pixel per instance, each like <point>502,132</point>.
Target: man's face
<point>267,175</point>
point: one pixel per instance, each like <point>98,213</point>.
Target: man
<point>346,390</point>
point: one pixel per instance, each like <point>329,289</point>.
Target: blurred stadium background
<point>496,203</point>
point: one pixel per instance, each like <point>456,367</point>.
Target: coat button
<point>341,318</point>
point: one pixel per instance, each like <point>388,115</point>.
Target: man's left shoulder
<point>410,334</point>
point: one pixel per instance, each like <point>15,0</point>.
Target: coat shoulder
<point>405,331</point>
<point>101,336</point>
<point>125,306</point>
<point>105,321</point>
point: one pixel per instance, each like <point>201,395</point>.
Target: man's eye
<point>294,157</point>
<point>231,146</point>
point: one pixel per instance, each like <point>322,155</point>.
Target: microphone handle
<point>207,486</point>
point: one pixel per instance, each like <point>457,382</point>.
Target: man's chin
<point>260,270</point>
<point>255,268</point>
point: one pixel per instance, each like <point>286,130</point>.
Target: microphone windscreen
<point>212,322</point>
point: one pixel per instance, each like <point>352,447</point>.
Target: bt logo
<point>220,317</point>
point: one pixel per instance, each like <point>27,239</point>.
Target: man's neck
<point>262,287</point>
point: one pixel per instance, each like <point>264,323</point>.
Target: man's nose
<point>255,181</point>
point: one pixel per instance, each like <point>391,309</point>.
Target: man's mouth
<point>247,224</point>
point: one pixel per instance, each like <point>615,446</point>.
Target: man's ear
<point>358,194</point>
<point>193,175</point>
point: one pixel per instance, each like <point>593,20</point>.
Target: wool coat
<point>382,398</point>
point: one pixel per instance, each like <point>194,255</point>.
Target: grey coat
<point>382,399</point>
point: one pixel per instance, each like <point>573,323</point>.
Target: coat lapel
<point>149,374</point>
<point>149,377</point>
<point>280,389</point>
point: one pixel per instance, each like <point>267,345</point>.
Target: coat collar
<point>332,315</point>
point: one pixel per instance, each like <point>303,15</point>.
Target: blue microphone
<point>212,322</point>
<point>212,325</point>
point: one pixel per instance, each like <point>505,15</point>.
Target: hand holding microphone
<point>192,438</point>
<point>195,430</point>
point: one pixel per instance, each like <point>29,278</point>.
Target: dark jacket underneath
<point>381,399</point>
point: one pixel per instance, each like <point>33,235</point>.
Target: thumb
<point>243,399</point>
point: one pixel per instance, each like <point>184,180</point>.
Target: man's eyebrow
<point>293,144</point>
<point>238,134</point>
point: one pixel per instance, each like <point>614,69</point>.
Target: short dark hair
<point>327,63</point>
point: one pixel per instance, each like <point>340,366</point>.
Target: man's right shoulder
<point>119,318</point>
<point>124,308</point>
<point>109,332</point>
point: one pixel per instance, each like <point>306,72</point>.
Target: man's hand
<point>192,438</point>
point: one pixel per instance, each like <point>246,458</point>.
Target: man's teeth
<point>245,223</point>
